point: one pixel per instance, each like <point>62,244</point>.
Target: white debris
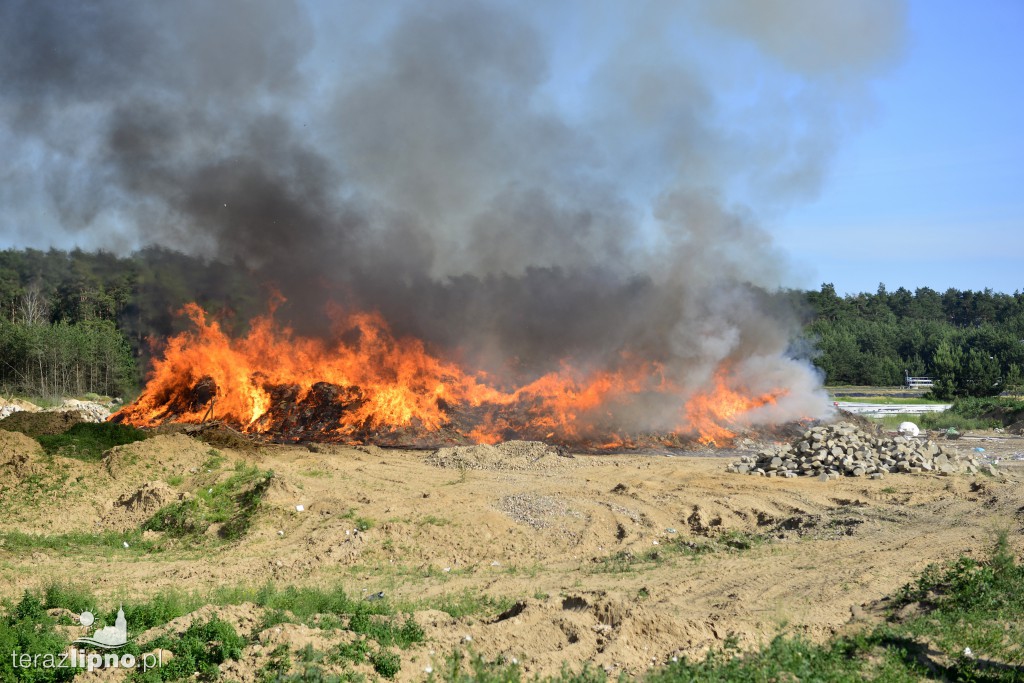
<point>300,508</point>
<point>125,544</point>
<point>909,429</point>
<point>280,533</point>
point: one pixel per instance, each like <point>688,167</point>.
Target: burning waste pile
<point>376,388</point>
<point>843,449</point>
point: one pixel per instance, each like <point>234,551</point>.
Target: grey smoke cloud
<point>510,181</point>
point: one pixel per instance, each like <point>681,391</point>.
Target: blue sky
<point>931,191</point>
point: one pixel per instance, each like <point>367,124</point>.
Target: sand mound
<point>510,455</point>
<point>18,456</point>
<point>16,443</point>
<point>244,618</point>
<point>170,455</point>
<point>283,493</point>
<point>134,508</point>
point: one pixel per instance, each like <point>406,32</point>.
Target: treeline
<point>62,358</point>
<point>971,343</point>
<point>81,321</point>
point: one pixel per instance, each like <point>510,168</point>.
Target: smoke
<point>517,183</point>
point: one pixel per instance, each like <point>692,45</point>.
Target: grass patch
<point>465,604</point>
<point>948,419</point>
<point>935,421</point>
<point>216,460</point>
<point>970,604</point>
<point>231,503</point>
<point>315,473</point>
<point>962,604</point>
<point>88,441</point>
<point>362,523</point>
<point>887,400</point>
<point>379,625</point>
<point>18,541</point>
<point>386,663</point>
<point>433,520</point>
<point>1005,410</point>
<point>627,560</point>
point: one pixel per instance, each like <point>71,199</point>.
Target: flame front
<point>377,383</point>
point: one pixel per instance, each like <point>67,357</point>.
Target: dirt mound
<point>18,456</point>
<point>244,618</point>
<point>215,434</point>
<point>37,424</point>
<point>617,632</point>
<point>132,509</point>
<point>170,455</point>
<point>510,455</point>
<point>282,493</point>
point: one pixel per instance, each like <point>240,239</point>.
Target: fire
<point>374,385</point>
<point>710,412</point>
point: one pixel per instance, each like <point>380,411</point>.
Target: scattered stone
<point>509,455</point>
<point>845,449</point>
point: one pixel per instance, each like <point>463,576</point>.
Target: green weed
<point>26,629</point>
<point>231,503</point>
<point>76,541</point>
<point>87,441</point>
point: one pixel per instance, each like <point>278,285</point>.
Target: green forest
<point>80,322</point>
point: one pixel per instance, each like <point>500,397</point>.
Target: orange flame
<point>710,412</point>
<point>395,383</point>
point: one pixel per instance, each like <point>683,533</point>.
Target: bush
<point>387,664</point>
<point>199,650</point>
<point>27,629</point>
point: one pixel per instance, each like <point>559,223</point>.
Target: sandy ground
<point>568,539</point>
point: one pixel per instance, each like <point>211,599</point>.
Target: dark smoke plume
<point>517,183</point>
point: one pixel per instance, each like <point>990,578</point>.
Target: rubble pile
<point>91,411</point>
<point>86,411</point>
<point>844,449</point>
